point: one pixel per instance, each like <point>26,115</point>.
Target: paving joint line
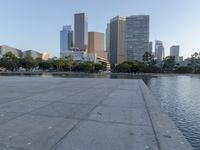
<point>148,112</point>
<point>79,122</point>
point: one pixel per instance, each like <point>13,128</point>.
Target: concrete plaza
<point>48,113</point>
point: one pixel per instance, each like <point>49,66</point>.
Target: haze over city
<point>36,24</point>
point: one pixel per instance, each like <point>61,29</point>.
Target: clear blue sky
<point>35,24</point>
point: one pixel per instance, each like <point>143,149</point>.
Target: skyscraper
<point>159,50</point>
<point>174,51</point>
<point>108,41</point>
<point>81,31</point>
<point>96,43</point>
<point>117,40</point>
<point>137,37</point>
<point>66,40</point>
<point>181,59</point>
<point>150,47</point>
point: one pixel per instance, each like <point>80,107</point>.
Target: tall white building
<point>159,50</point>
<point>174,51</point>
<point>66,40</point>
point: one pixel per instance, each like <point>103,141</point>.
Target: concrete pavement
<point>83,114</point>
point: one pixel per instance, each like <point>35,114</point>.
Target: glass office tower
<point>80,31</point>
<point>136,37</point>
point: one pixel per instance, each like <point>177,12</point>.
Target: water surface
<point>179,96</point>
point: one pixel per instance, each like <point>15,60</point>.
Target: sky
<point>35,24</point>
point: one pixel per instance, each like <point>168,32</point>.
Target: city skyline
<point>36,26</point>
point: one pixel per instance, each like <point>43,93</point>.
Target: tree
<point>45,65</point>
<point>98,67</point>
<point>104,66</point>
<point>195,62</point>
<point>75,66</point>
<point>66,65</point>
<point>69,62</point>
<point>112,67</point>
<point>123,68</point>
<point>168,64</point>
<point>86,67</point>
<point>147,58</point>
<point>58,65</point>
<point>135,65</point>
<point>38,60</point>
<point>10,62</point>
<point>28,63</point>
<point>185,69</point>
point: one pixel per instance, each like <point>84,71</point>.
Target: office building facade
<point>66,40</point>
<point>80,31</point>
<point>159,50</point>
<point>136,37</point>
<point>174,51</point>
<point>117,40</point>
<point>181,59</point>
<point>96,43</point>
<point>32,53</point>
<point>5,49</point>
<point>151,47</point>
<point>108,41</point>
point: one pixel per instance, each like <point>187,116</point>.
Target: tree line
<point>12,63</point>
<point>150,65</point>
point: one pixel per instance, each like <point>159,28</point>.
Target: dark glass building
<point>80,31</point>
<point>136,37</point>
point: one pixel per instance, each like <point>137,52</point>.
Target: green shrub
<point>186,69</point>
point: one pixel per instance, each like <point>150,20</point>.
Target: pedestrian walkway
<point>83,114</point>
